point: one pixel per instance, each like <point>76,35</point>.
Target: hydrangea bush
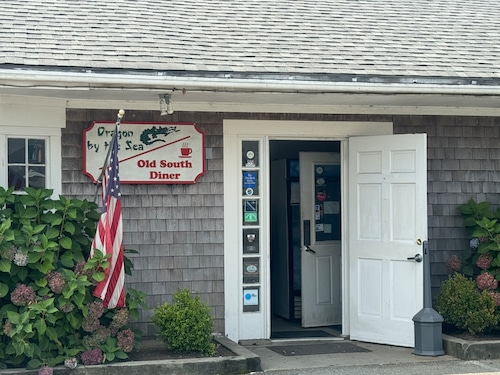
<point>48,314</point>
<point>480,263</point>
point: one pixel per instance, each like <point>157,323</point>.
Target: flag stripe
<point>109,235</point>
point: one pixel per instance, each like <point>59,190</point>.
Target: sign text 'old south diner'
<point>149,153</point>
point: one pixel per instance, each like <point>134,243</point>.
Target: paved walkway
<point>379,360</point>
<point>378,355</point>
<point>258,358</point>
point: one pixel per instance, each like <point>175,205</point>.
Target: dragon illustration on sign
<point>150,136</point>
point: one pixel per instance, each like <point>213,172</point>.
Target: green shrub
<point>47,311</point>
<point>185,325</point>
<point>464,306</point>
<point>483,225</point>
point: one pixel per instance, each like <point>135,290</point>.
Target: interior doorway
<point>305,251</point>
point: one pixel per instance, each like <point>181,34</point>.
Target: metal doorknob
<point>416,258</point>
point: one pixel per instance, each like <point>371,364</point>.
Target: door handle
<point>417,258</point>
<point>308,249</point>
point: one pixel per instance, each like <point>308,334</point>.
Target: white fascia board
<point>91,80</point>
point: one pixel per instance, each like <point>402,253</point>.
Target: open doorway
<point>305,251</point>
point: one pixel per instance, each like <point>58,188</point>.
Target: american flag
<point>109,235</point>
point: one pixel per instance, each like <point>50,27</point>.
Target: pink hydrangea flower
<point>90,325</point>
<point>92,357</point>
<point>496,297</point>
<point>71,363</point>
<point>453,263</point>
<point>96,309</point>
<point>486,281</point>
<point>126,340</point>
<point>23,295</point>
<point>45,370</point>
<point>56,282</point>
<point>7,327</point>
<point>484,261</point>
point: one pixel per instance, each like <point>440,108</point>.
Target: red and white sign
<point>149,153</point>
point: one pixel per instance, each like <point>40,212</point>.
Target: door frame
<point>241,325</point>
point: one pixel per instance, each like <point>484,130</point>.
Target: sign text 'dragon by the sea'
<point>149,153</point>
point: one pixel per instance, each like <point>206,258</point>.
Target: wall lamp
<point>166,105</point>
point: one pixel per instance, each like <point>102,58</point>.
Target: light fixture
<point>166,105</point>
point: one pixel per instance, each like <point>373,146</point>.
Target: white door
<point>320,235</point>
<point>387,224</point>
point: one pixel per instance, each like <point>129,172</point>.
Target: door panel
<point>387,217</point>
<point>320,235</point>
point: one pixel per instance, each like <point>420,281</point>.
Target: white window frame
<point>52,137</point>
<point>34,116</point>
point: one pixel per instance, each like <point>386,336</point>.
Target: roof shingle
<point>447,38</point>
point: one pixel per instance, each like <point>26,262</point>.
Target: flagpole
<point>119,117</point>
<point>109,233</point>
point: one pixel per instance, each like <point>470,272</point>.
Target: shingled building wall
<point>178,229</point>
<point>463,162</point>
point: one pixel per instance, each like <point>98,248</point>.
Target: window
<point>30,142</point>
<point>26,162</point>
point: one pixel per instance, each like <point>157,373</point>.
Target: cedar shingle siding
<point>178,229</point>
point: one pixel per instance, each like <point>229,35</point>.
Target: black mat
<point>300,334</point>
<point>323,348</point>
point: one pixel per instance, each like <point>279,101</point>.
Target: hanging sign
<point>149,153</point>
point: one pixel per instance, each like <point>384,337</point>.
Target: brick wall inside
<point>178,229</point>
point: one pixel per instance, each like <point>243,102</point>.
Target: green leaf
<point>28,328</point>
<point>51,333</point>
<point>51,233</point>
<point>46,266</point>
<point>34,257</point>
<point>40,326</point>
<point>67,259</point>
<point>43,291</point>
<point>98,276</point>
<point>120,354</point>
<point>56,221</point>
<point>4,289</point>
<point>5,265</point>
<point>41,282</point>
<point>29,349</point>
<point>34,364</point>
<point>22,273</point>
<point>78,299</point>
<point>65,243</point>
<point>14,317</point>
<point>69,227</point>
<point>73,321</point>
<point>38,229</point>
<point>73,213</point>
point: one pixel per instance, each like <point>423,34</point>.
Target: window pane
<point>250,154</point>
<point>327,202</point>
<point>17,150</point>
<point>16,177</point>
<point>26,162</point>
<point>36,148</point>
<point>36,177</point>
